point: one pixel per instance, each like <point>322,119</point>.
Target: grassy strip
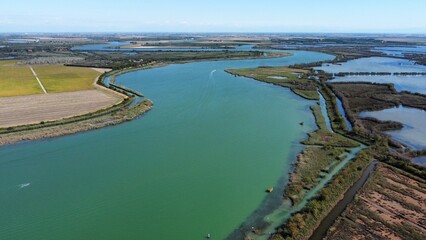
<point>337,122</point>
<point>303,223</point>
<point>126,102</point>
<point>325,138</point>
<point>118,117</point>
<point>295,79</point>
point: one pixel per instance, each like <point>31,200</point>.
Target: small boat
<point>208,235</point>
<point>269,190</point>
<point>301,123</point>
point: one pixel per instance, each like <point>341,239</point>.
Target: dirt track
<point>44,107</point>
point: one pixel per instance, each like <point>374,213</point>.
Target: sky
<point>340,16</point>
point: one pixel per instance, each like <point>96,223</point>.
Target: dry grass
<point>391,206</point>
<point>23,110</point>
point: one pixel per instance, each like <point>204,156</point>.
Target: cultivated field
<point>391,206</point>
<point>17,80</point>
<point>58,78</point>
<point>22,110</point>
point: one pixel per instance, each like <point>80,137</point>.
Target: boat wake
<point>24,185</point>
<point>211,73</point>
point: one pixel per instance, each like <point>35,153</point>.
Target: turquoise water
<point>276,218</point>
<point>198,163</point>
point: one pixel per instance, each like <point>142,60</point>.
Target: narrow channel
<point>323,106</point>
<point>329,220</point>
<point>343,114</point>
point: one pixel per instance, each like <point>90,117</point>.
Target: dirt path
<point>38,80</point>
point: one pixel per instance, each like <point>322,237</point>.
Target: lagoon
<point>414,131</point>
<point>198,163</point>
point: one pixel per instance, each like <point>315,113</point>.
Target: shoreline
<point>97,119</point>
<point>313,146</point>
<point>77,126</point>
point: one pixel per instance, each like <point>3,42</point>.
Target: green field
<point>16,80</point>
<point>58,78</point>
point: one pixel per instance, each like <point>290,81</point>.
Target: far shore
<point>101,117</point>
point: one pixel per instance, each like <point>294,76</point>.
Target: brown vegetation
<point>391,206</point>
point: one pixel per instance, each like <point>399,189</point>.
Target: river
<point>198,163</point>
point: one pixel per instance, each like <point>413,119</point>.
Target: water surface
<point>420,161</point>
<point>415,84</point>
<point>401,51</point>
<point>414,131</point>
<point>374,64</point>
<point>380,64</point>
<point>198,163</point>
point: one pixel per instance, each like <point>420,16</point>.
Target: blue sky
<point>382,16</point>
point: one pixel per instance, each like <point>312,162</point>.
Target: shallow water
<point>414,131</point>
<point>415,84</point>
<point>420,161</point>
<point>324,112</point>
<point>276,218</point>
<point>198,163</point>
<point>401,51</point>
<point>115,46</point>
<point>380,64</point>
<point>374,64</point>
<point>343,114</point>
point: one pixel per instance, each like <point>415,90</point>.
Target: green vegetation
<point>118,60</point>
<point>17,80</point>
<point>295,79</point>
<point>102,112</point>
<point>337,122</point>
<point>323,151</point>
<point>325,138</point>
<point>303,223</point>
<point>58,78</point>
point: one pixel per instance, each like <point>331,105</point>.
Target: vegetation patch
<point>295,79</point>
<point>302,224</point>
<point>17,80</point>
<point>391,205</point>
<point>59,78</point>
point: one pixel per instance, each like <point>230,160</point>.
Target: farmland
<point>16,80</point>
<point>46,107</point>
<point>58,78</point>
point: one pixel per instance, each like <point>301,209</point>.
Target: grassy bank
<point>323,152</point>
<point>295,79</point>
<point>80,125</point>
<point>303,223</point>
